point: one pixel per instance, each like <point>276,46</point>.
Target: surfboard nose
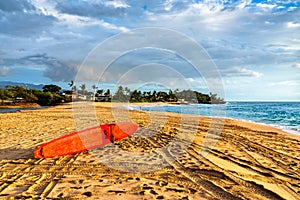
<point>121,130</point>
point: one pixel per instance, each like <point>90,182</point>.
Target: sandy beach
<point>165,159</point>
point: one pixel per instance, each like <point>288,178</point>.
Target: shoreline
<point>260,124</point>
<point>243,157</point>
<point>289,130</point>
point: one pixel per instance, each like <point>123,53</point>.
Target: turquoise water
<point>284,115</point>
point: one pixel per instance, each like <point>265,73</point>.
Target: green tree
<point>74,88</point>
<point>28,97</point>
<point>54,89</point>
<point>172,97</point>
<point>17,90</point>
<point>135,96</point>
<point>162,96</point>
<point>71,84</point>
<point>99,92</point>
<point>144,95</point>
<point>21,92</point>
<point>153,96</point>
<point>107,93</point>
<point>9,88</point>
<point>44,98</point>
<point>83,89</point>
<point>127,90</point>
<point>215,99</point>
<point>56,99</point>
<point>119,95</point>
<point>2,96</point>
<point>8,94</point>
<point>94,88</point>
<point>148,95</point>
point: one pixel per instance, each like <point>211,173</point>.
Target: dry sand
<point>162,160</point>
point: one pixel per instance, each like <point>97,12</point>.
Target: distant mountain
<point>28,85</point>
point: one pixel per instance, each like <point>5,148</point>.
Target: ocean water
<point>283,115</point>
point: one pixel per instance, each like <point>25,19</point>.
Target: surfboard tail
<point>86,139</point>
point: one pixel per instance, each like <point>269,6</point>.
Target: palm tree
<point>94,88</point>
<point>99,92</point>
<point>74,88</point>
<point>127,91</point>
<point>119,95</point>
<point>107,93</point>
<point>83,88</point>
<point>71,84</point>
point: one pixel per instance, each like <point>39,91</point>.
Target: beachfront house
<point>103,98</point>
<point>18,100</point>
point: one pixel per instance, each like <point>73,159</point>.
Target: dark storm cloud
<point>24,24</point>
<point>53,68</point>
<point>89,9</point>
<point>21,18</point>
<point>56,70</point>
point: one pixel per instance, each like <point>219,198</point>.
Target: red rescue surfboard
<point>86,139</point>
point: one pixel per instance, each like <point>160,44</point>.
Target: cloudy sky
<point>255,45</point>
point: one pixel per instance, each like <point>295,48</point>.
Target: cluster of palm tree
<point>83,90</point>
<point>125,94</point>
<point>190,96</point>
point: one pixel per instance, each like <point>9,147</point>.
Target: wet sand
<point>166,159</point>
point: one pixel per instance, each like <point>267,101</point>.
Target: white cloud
<point>296,65</point>
<point>192,80</point>
<point>287,83</point>
<point>4,71</point>
<point>113,27</point>
<point>248,72</point>
<point>265,6</point>
<point>240,72</point>
<point>269,23</point>
<point>117,4</point>
<point>75,20</point>
<point>81,22</point>
<point>292,25</point>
